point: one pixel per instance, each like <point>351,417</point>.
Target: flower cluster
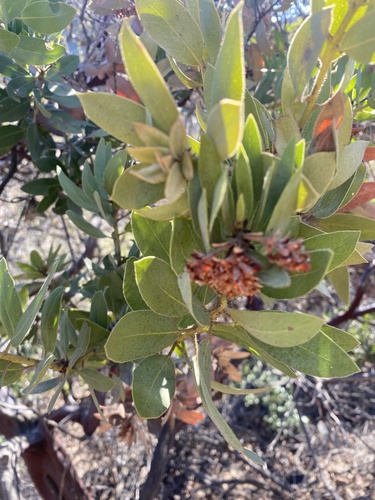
<point>287,254</point>
<point>232,276</point>
<point>236,273</point>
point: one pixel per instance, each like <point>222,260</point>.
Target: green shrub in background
<point>247,207</point>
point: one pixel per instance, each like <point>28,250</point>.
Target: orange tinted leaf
<point>369,154</point>
<point>329,120</point>
<point>366,193</point>
<point>190,417</point>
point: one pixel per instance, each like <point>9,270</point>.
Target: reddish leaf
<point>328,121</point>
<point>369,154</point>
<point>366,193</point>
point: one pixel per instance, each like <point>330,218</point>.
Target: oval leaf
<point>139,334</point>
<point>153,386</point>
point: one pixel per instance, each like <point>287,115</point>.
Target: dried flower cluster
<point>232,276</point>
<point>235,274</point>
<point>287,254</point>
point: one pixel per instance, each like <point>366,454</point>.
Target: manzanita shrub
<point>250,202</point>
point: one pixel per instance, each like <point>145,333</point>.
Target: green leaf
<point>166,22</point>
<point>203,220</point>
<point>33,51</point>
<point>10,372</point>
<point>114,114</point>
<point>306,46</point>
<point>218,199</point>
<point>96,380</point>
<point>225,127</point>
<point>303,283</point>
<point>238,335</point>
<point>262,117</point>
<point>348,222</point>
<point>277,328</point>
<point>8,40</point>
<point>184,241</point>
<point>40,370</point>
<point>84,225</point>
<point>317,173</point>
<point>10,304</point>
<point>229,75</point>
<point>9,136</point>
<point>46,385</point>
<point>45,17</point>
<point>147,80</point>
<point>193,304</point>
<point>158,285</point>
<point>285,206</point>
<point>75,193</point>
<point>153,386</point>
<point>209,167</point>
<point>114,169</point>
<point>132,193</point>
<point>28,317</point>
<point>167,211</point>
<point>50,319</point>
<point>358,41</point>
<point>139,334</point>
<point>332,200</point>
<point>344,339</point>
<point>320,357</point>
<point>339,278</point>
<point>9,9</point>
<point>341,243</point>
<point>225,389</point>
<point>202,375</point>
<point>152,237</point>
<point>99,309</point>
<point>252,143</point>
<point>348,161</point>
<point>286,129</point>
<point>243,183</point>
<point>131,291</point>
<point>11,111</point>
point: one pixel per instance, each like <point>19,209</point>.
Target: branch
<point>12,169</point>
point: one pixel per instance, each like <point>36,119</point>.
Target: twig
<point>12,169</point>
<point>352,312</point>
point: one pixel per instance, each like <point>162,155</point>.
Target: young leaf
<point>114,169</point>
<point>280,329</point>
<point>147,80</point>
<point>40,370</point>
<point>252,143</point>
<point>225,127</point>
<point>75,193</point>
<point>139,334</point>
<point>50,319</point>
<point>132,193</point>
<point>202,374</point>
<point>114,114</point>
<point>152,237</point>
<point>209,167</point>
<point>154,383</point>
<point>158,285</point>
<point>229,76</point>
<point>218,199</point>
<point>166,22</point>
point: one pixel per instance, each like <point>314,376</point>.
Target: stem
<point>116,238</point>
<point>20,360</point>
<point>328,56</point>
